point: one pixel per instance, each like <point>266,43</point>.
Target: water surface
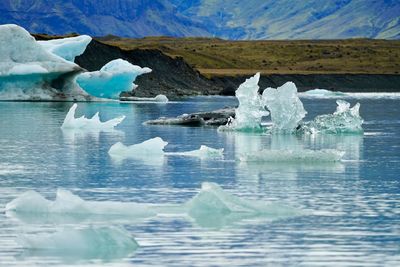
<point>351,209</point>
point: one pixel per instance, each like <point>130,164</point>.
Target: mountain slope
<point>250,19</point>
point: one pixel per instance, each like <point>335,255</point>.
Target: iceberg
<point>204,152</point>
<point>88,243</point>
<point>249,114</point>
<point>299,155</point>
<point>343,120</point>
<point>68,204</point>
<point>67,48</point>
<point>113,78</point>
<point>82,123</point>
<point>150,148</point>
<point>285,107</point>
<point>29,72</point>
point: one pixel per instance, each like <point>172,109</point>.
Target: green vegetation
<point>220,57</point>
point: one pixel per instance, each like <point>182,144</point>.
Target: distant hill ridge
<point>250,19</point>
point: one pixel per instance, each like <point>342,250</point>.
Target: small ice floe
<point>83,123</point>
<point>300,155</point>
<point>85,243</point>
<point>67,48</point>
<point>204,152</point>
<point>322,93</point>
<point>68,204</point>
<point>112,79</point>
<point>151,149</point>
<point>343,120</point>
<point>158,98</point>
<point>213,207</point>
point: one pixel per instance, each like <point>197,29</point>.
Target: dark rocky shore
<point>173,77</point>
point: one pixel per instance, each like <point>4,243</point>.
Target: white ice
<point>27,70</point>
<point>82,123</point>
<point>285,107</point>
<point>67,48</point>
<point>249,114</point>
<point>157,98</point>
<point>298,155</point>
<point>343,120</point>
<point>204,152</point>
<point>322,93</point>
<point>149,150</point>
<point>89,242</point>
<point>113,78</point>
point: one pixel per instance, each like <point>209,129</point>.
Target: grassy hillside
<point>220,57</point>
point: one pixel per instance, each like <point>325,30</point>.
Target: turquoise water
<point>351,210</point>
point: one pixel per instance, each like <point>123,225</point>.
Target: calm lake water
<point>351,210</point>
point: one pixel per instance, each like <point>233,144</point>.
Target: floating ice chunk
<point>213,207</point>
<point>285,107</point>
<point>113,78</point>
<point>69,204</point>
<point>158,98</point>
<point>152,148</point>
<point>70,122</point>
<point>67,48</point>
<point>343,120</point>
<point>91,242</point>
<point>250,111</point>
<point>29,72</point>
<point>204,152</point>
<point>300,155</point>
<point>322,93</point>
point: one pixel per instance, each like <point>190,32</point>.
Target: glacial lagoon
<point>338,213</point>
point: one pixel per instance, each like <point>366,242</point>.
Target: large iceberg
<point>249,114</point>
<point>343,120</point>
<point>30,72</point>
<point>113,78</point>
<point>288,155</point>
<point>204,152</point>
<point>92,242</point>
<point>285,107</point>
<point>67,48</point>
<point>82,123</point>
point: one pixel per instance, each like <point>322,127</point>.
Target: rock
<point>211,118</point>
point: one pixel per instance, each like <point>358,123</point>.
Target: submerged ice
<point>113,78</point>
<point>299,155</point>
<point>90,242</point>
<point>83,123</point>
<point>210,207</point>
<point>67,48</point>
